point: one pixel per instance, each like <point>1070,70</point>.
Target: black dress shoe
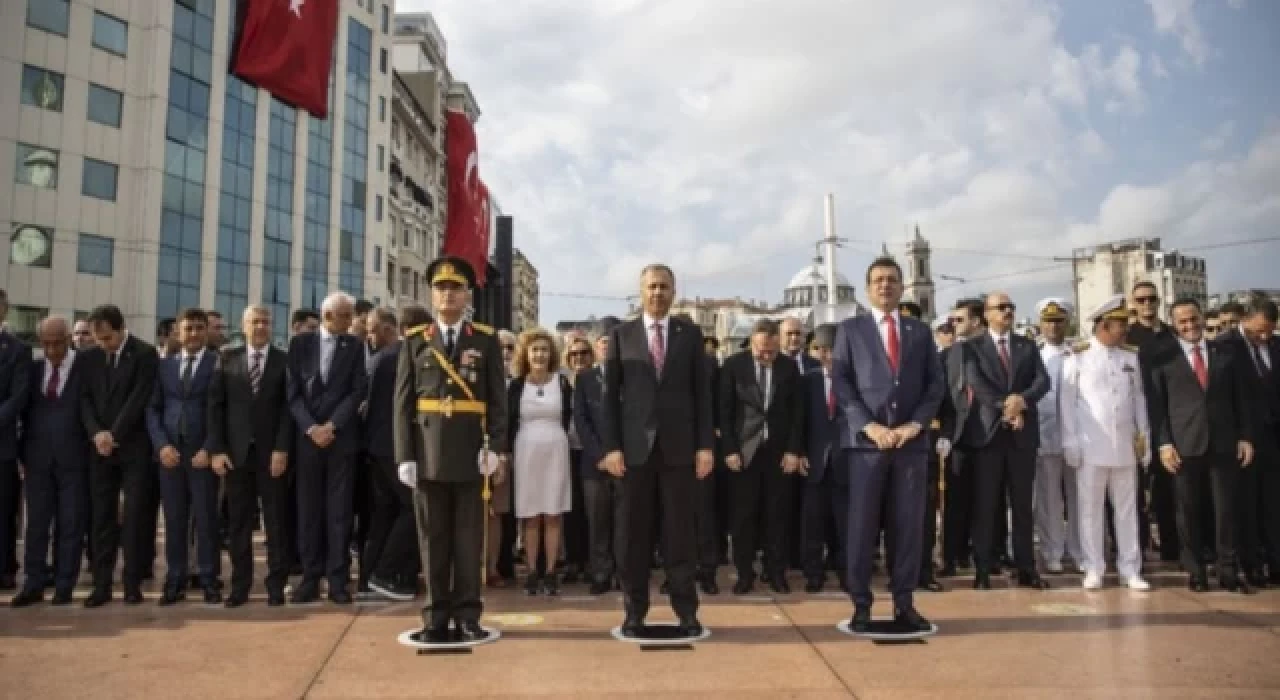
<point>1032,580</point>
<point>193,582</point>
<point>982,582</point>
<point>690,627</point>
<point>743,586</point>
<point>1237,585</point>
<point>911,621</point>
<point>275,598</point>
<point>1255,579</point>
<point>212,595</point>
<point>947,571</point>
<point>133,596</point>
<point>61,598</point>
<point>170,596</point>
<point>550,585</point>
<point>778,584</point>
<point>27,597</point>
<point>98,598</point>
<point>598,588</point>
<point>708,583</point>
<point>236,599</point>
<point>813,586</point>
<point>340,596</point>
<point>8,582</point>
<point>1273,579</point>
<point>433,635</point>
<point>571,575</point>
<point>531,583</point>
<point>471,631</point>
<point>306,592</point>
<point>1198,584</point>
<point>932,585</point>
<point>861,622</point>
<point>632,627</point>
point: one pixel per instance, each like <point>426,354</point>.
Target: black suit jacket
<point>743,415</point>
<point>642,408</point>
<point>238,418</point>
<point>53,429</point>
<point>1196,421</point>
<point>985,373</point>
<point>379,417</point>
<point>116,400</point>
<point>15,370</point>
<point>588,418</point>
<point>1263,390</point>
<point>314,401</point>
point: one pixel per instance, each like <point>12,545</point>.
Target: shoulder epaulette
<point>1130,348</point>
<point>487,330</point>
<point>417,329</point>
<point>1081,346</point>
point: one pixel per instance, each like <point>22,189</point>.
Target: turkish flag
<point>286,48</point>
<point>467,230</point>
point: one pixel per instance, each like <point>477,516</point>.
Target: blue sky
<point>620,132</point>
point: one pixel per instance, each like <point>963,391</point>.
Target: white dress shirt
<point>64,369</point>
<point>328,344</point>
<point>185,356</point>
<point>444,332</point>
<point>665,323</point>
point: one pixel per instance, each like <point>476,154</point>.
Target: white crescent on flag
<point>295,6</point>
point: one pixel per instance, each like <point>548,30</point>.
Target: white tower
<point>919,276</point>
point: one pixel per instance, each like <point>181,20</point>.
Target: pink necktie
<point>657,348</point>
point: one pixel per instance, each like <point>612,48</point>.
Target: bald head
<point>999,312</point>
<point>55,337</point>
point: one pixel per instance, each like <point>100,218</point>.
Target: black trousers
<point>993,464</point>
<point>1164,508</point>
<point>761,488</point>
<point>600,494</point>
<point>56,497</point>
<point>957,517</point>
<point>247,486</point>
<point>10,500</point>
<point>1191,496</point>
<point>929,534</point>
<point>391,549</point>
<point>706,523</point>
<point>825,501</point>
<point>361,506</point>
<point>452,516</point>
<point>643,488</point>
<point>325,482</point>
<point>574,528</point>
<point>507,549</point>
<point>152,508</point>
<point>119,526</point>
<point>1257,498</point>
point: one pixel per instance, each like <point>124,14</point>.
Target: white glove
<point>408,474</point>
<point>1072,457</point>
<point>490,465</point>
<point>943,447</point>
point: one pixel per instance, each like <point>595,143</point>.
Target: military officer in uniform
<point>1055,491</point>
<point>1105,438</point>
<point>450,419</point>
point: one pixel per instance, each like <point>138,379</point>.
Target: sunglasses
<point>957,320</point>
<point>1007,308</point>
<point>1211,329</point>
<point>1146,300</point>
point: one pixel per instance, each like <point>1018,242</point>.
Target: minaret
<point>919,276</point>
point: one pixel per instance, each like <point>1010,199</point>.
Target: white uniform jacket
<point>1104,410</point>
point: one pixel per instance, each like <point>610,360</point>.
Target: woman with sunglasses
<point>578,357</point>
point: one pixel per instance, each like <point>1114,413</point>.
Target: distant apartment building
<point>1113,268</point>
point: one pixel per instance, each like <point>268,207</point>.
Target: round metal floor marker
<point>660,635</point>
<point>884,630</point>
<point>404,638</point>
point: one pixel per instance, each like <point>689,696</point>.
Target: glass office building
<point>135,169</point>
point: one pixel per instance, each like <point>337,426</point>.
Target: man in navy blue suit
<point>176,420</point>
<point>326,383</point>
<point>888,384</point>
<point>826,489</point>
<point>15,365</point>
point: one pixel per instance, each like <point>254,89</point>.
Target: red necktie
<point>51,391</point>
<point>1198,366</point>
<point>1004,355</point>
<point>891,339</point>
<point>657,348</point>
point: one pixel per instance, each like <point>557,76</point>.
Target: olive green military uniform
<point>446,403</point>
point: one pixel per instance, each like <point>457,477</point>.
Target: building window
<point>377,258</point>
<point>95,255</point>
<point>110,34</point>
<point>416,288</point>
<point>235,203</point>
<point>99,180</point>
<point>386,19</point>
<point>377,208</point>
<point>382,61</point>
<point>105,105</point>
<point>355,158</point>
<point>25,320</point>
<point>53,16</point>
<point>408,238</point>
<point>405,281</point>
<point>42,88</point>
<point>36,166</point>
<point>278,250</point>
<point>31,246</point>
<point>382,155</point>
<point>391,275</point>
<point>382,109</point>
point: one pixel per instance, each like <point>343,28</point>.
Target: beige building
<point>134,169</point>
<point>1113,268</point>
<point>524,293</point>
<point>1242,296</point>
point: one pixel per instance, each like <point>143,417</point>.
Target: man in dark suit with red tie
<point>1198,401</point>
<point>826,486</point>
<point>1008,379</point>
<point>888,385</point>
<point>658,441</point>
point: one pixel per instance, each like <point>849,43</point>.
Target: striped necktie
<point>255,371</point>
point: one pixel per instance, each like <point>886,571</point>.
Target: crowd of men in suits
<point>770,459</point>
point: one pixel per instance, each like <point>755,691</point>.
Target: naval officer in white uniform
<point>1055,486</point>
<point>1105,435</point>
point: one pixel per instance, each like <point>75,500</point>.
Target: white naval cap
<point>1113,308</point>
<point>1053,309</point>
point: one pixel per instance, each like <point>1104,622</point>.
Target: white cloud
<point>1219,138</point>
<point>1178,18</point>
<point>620,133</point>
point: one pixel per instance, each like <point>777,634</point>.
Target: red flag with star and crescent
<point>466,232</point>
<point>286,48</point>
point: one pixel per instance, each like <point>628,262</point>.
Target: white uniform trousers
<point>1121,484</point>
<point>1056,494</point>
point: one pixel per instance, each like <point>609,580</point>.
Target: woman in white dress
<point>539,401</point>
